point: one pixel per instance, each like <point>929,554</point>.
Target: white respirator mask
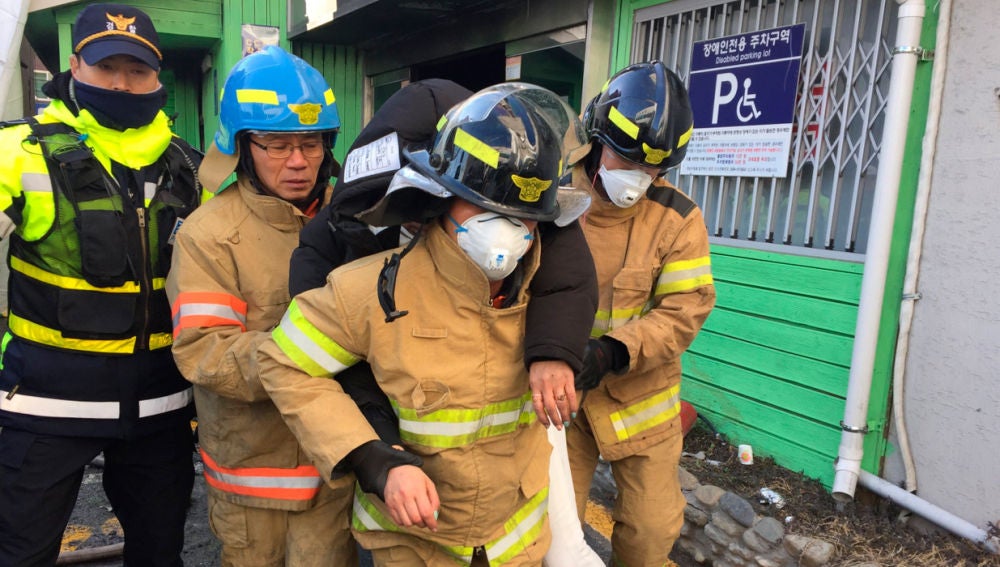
<point>624,186</point>
<point>494,242</point>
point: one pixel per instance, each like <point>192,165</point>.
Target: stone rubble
<point>721,529</point>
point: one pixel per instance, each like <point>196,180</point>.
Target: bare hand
<point>552,392</point>
<point>411,497</point>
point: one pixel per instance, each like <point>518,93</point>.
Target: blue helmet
<point>274,91</point>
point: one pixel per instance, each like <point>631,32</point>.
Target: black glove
<point>371,463</point>
<point>601,356</point>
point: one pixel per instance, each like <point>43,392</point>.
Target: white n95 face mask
<point>625,186</point>
<point>494,242</point>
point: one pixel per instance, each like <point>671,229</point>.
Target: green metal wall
<point>771,365</point>
<point>341,66</point>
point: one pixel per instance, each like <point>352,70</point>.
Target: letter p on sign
<point>722,81</point>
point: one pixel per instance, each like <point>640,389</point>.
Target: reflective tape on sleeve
<point>299,483</point>
<point>686,275</point>
<point>315,353</point>
<point>208,309</point>
<point>646,414</point>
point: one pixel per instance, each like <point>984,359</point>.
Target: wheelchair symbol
<point>747,101</point>
<point>726,90</point>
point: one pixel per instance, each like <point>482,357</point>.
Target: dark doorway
<point>473,70</point>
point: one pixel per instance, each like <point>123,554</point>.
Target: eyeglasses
<point>283,150</point>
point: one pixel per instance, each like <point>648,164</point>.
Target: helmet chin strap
<point>386,287</point>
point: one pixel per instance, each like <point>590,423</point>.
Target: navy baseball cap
<point>103,30</point>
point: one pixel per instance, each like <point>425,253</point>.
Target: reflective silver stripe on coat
<point>165,404</point>
<point>36,183</point>
<point>464,428</point>
<point>294,482</point>
<point>52,407</point>
<point>209,309</point>
<point>148,190</point>
<point>7,226</point>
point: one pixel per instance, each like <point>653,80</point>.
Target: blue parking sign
<point>743,90</point>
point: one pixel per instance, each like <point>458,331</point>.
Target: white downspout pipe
<point>943,518</point>
<point>855,423</point>
<point>910,291</point>
<point>905,497</point>
<point>900,496</point>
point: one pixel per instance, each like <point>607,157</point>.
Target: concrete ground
<point>94,527</point>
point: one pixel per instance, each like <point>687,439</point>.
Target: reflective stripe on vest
<point>675,277</point>
<point>522,529</point>
<point>654,410</point>
<point>300,483</point>
<point>45,336</point>
<point>208,309</point>
<point>448,428</point>
<point>51,407</point>
<point>308,347</point>
<point>36,182</point>
<point>67,282</point>
<point>148,191</point>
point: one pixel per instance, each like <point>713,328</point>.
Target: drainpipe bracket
<point>921,53</point>
<point>851,429</point>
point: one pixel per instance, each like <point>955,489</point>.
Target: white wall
<point>953,368</point>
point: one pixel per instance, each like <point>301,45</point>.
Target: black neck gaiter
<point>119,110</point>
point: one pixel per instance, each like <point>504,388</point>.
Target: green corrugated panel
<point>342,69</point>
<point>772,361</point>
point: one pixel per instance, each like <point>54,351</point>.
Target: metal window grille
<point>823,206</point>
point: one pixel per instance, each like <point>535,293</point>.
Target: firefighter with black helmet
<point>471,484</point>
<point>650,248</point>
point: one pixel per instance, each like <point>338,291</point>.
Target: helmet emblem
<point>308,112</point>
<point>531,187</point>
<point>653,155</point>
<point>121,22</point>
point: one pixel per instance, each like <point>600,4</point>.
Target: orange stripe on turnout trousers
<point>300,483</point>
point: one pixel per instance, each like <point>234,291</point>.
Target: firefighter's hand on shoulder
<point>412,498</point>
<point>601,356</point>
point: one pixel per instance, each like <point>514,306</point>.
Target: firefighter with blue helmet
<point>650,248</point>
<point>90,191</point>
<point>228,288</point>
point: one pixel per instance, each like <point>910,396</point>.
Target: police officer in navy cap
<point>91,191</point>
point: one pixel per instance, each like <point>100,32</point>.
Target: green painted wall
<point>341,65</point>
<point>771,365</point>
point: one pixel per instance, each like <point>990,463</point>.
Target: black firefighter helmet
<point>643,113</point>
<point>504,149</point>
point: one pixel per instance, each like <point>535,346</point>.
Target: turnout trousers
<point>148,481</point>
<point>649,510</point>
<point>261,537</point>
<point>416,551</point>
